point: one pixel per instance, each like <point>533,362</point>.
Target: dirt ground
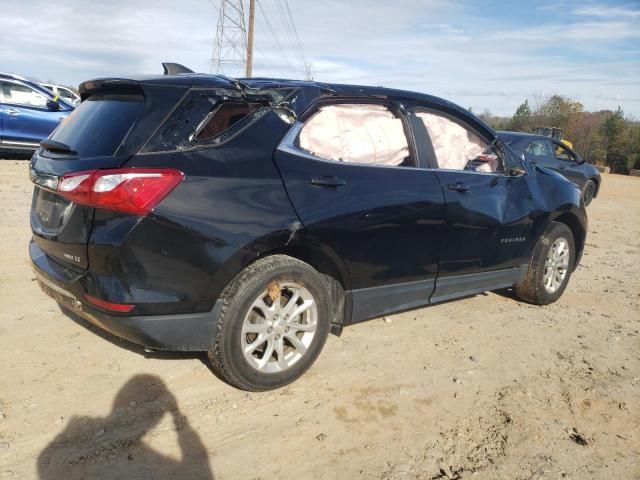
<point>485,387</point>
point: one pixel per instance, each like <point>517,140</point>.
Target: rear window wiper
<point>53,146</point>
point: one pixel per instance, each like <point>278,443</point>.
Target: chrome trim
<point>287,145</point>
<point>44,180</point>
<point>55,287</point>
<point>18,143</point>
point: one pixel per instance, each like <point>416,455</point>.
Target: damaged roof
<point>301,92</point>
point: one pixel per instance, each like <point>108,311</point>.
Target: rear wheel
<point>588,192</point>
<point>550,267</point>
<point>273,324</point>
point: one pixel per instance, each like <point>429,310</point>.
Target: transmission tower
<point>229,55</point>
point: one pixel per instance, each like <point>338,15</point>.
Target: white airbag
<point>454,145</point>
<point>355,133</point>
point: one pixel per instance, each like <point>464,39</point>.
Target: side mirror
<point>53,105</point>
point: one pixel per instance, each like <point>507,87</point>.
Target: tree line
<point>604,138</point>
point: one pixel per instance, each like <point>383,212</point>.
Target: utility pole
<point>307,71</point>
<point>252,13</point>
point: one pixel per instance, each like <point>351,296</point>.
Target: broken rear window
<point>203,118</point>
<point>223,118</point>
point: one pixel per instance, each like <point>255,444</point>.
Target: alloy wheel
<point>556,265</point>
<point>279,327</point>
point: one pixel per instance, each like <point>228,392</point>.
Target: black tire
<point>226,355</point>
<point>531,288</point>
<point>588,192</point>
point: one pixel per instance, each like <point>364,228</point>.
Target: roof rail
<point>12,75</point>
<point>175,68</point>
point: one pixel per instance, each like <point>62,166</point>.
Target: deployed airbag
<point>357,133</point>
<point>454,145</point>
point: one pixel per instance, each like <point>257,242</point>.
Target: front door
<point>352,177</point>
<point>567,164</point>
<point>487,234</point>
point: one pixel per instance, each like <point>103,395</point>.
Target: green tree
<point>613,131</point>
<point>555,111</point>
<point>522,119</point>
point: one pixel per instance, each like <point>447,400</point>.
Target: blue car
<point>28,113</point>
<point>551,153</point>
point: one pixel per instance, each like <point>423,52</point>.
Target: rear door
<point>1,116</point>
<point>487,232</point>
<point>351,173</point>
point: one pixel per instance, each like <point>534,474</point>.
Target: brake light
<point>112,307</point>
<point>128,190</point>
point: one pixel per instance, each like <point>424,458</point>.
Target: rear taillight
<point>128,190</point>
<point>110,306</point>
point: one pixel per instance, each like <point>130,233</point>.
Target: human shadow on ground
<point>113,447</point>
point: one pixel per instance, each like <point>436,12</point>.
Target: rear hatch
<point>114,120</point>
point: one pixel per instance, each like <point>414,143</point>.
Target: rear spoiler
<point>135,85</point>
<point>114,85</point>
<point>175,68</point>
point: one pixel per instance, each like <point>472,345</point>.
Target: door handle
<point>459,187</point>
<point>329,181</point>
<point>12,111</point>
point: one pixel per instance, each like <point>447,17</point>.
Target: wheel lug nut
<point>270,330</point>
<point>277,337</point>
<point>286,329</point>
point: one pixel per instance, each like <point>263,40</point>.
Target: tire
<point>535,287</point>
<point>260,305</point>
<point>588,192</point>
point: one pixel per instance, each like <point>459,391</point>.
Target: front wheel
<point>550,266</point>
<point>273,324</point>
<point>588,192</point>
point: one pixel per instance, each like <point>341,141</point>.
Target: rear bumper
<point>180,332</point>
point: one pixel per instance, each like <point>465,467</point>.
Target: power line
<point>274,37</point>
<point>231,47</point>
<point>295,31</point>
<point>288,29</point>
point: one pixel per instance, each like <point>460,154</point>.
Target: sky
<point>480,54</point>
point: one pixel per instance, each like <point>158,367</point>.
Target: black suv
<point>250,218</point>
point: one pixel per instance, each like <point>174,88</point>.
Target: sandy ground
<point>485,387</point>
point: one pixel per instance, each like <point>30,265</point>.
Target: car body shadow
<point>126,344</point>
<point>135,348</point>
<point>113,446</point>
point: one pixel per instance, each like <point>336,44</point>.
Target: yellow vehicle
<point>553,132</point>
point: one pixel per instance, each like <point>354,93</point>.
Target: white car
<point>66,93</point>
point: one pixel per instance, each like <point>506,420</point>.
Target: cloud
<point>458,50</point>
<point>606,11</point>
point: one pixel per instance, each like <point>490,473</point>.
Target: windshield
<point>100,124</point>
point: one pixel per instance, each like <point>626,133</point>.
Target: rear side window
<point>204,118</point>
<point>355,133</point>
<point>222,118</point>
<point>100,124</point>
